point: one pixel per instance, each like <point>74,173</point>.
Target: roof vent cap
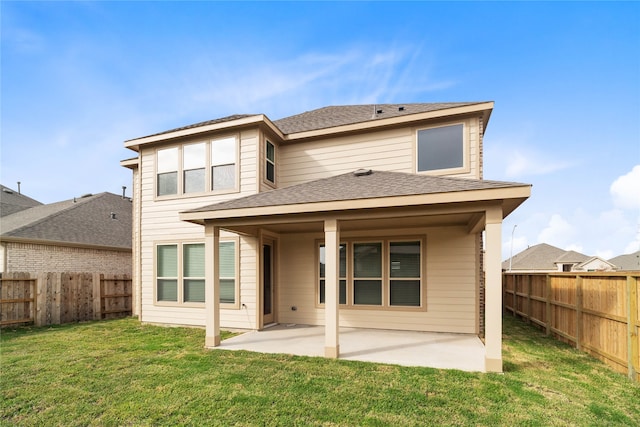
<point>84,196</point>
<point>362,172</point>
<point>401,108</point>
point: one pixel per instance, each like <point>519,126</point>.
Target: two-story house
<point>372,216</point>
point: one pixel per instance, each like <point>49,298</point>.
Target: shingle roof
<point>332,116</point>
<point>350,186</point>
<point>627,262</point>
<point>543,257</point>
<point>86,221</point>
<point>11,201</point>
<point>205,123</point>
<point>571,257</point>
<point>538,257</point>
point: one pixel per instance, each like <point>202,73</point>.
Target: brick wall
<point>35,258</point>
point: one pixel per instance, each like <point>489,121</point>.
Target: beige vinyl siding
<point>161,224</point>
<point>391,150</point>
<point>451,288</point>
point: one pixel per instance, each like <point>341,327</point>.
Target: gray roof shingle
<point>627,262</point>
<point>86,220</point>
<point>328,117</point>
<point>11,201</point>
<point>333,116</point>
<point>349,186</point>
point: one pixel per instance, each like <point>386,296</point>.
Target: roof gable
<point>538,257</point>
<point>84,221</point>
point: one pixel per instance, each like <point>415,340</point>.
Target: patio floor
<point>430,349</point>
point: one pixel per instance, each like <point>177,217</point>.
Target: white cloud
<point>558,232</point>
<point>625,190</point>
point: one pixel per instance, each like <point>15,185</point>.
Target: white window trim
<point>180,279</point>
<point>466,161</point>
<point>386,275</point>
<point>208,165</point>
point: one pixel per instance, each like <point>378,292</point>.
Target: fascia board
<point>486,195</point>
<point>257,119</point>
<point>392,121</point>
<point>44,242</point>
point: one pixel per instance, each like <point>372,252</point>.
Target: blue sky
<point>80,78</point>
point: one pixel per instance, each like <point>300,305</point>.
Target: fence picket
<point>55,298</point>
<point>595,312</point>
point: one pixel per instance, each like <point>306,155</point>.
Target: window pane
<point>167,261</point>
<point>271,152</point>
<point>194,290</point>
<point>193,260</point>
<point>194,156</point>
<point>223,151</point>
<point>405,292</point>
<point>227,257</point>
<point>271,172</point>
<point>367,260</point>
<point>223,177</point>
<point>343,260</point>
<point>167,183</point>
<point>194,180</point>
<point>342,297</point>
<point>440,148</point>
<point>227,291</point>
<point>367,292</point>
<point>167,290</point>
<point>167,160</point>
<point>405,259</point>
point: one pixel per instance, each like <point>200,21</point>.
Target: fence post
<point>547,285</point>
<point>632,328</point>
<point>579,312</point>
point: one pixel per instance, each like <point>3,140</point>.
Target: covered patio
<point>464,352</point>
<point>370,202</point>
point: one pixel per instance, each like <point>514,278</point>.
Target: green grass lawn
<point>124,373</point>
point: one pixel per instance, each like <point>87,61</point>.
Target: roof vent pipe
<point>19,188</point>
<point>124,189</point>
<point>362,172</point>
<point>113,215</point>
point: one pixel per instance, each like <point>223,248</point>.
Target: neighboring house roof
<point>102,220</point>
<point>595,263</point>
<point>363,184</point>
<point>627,262</point>
<point>538,257</point>
<point>333,116</point>
<point>11,201</point>
<point>571,257</point>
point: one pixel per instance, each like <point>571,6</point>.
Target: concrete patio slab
<point>428,349</point>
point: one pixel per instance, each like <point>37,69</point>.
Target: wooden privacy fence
<point>596,312</point>
<point>57,298</point>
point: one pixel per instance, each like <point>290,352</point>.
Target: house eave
<point>509,198</point>
<point>258,119</point>
<point>485,108</point>
<point>45,242</point>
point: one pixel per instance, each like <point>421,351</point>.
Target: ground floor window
<point>180,273</point>
<point>381,273</point>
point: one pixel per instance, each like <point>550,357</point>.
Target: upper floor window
<point>194,159</point>
<point>223,164</point>
<point>197,168</point>
<point>270,162</point>
<point>167,171</point>
<point>441,148</point>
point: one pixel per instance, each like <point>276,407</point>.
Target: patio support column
<point>493,290</point>
<point>331,288</point>
<point>212,285</point>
